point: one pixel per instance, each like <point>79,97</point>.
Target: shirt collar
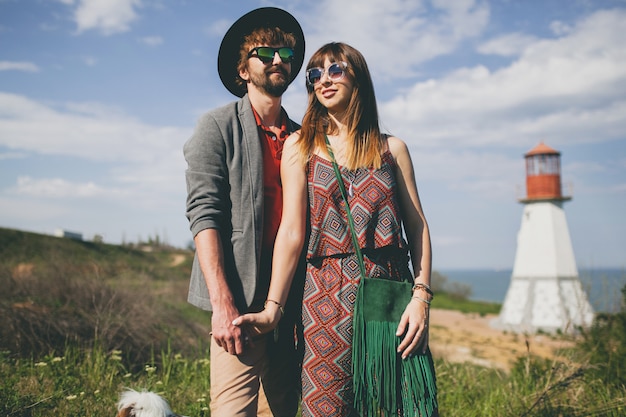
<point>283,124</point>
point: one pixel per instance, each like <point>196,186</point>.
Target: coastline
<point>603,285</point>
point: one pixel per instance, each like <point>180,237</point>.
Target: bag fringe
<point>383,382</point>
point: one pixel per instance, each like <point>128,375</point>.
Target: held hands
<point>229,337</point>
<point>262,322</point>
<point>414,326</point>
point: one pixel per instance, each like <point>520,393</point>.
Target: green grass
<point>88,383</point>
<point>80,382</point>
<point>451,302</point>
<point>67,348</point>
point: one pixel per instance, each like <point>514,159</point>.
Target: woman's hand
<point>260,323</point>
<point>414,326</point>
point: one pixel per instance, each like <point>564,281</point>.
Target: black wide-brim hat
<point>265,17</point>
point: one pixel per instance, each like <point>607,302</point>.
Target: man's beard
<point>273,88</point>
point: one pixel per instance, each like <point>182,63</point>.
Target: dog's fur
<point>143,404</point>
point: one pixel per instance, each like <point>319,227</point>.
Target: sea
<point>603,285</point>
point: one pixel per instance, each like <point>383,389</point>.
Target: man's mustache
<point>278,68</point>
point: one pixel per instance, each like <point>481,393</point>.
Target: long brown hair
<point>367,145</point>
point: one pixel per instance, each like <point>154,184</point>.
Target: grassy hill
<point>59,291</point>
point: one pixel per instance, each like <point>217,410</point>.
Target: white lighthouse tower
<point>545,292</point>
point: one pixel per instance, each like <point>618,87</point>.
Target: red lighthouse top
<point>543,174</point>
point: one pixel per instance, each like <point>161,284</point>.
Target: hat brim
<point>228,57</point>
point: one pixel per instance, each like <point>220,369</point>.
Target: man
<point>234,206</point>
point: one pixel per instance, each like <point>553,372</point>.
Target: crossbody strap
<point>342,188</point>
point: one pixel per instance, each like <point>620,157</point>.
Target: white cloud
<point>570,89</point>
<point>151,40</point>
<point>405,34</point>
<point>85,130</point>
<point>60,188</point>
<point>12,155</point>
<point>508,45</point>
<point>443,241</point>
<point>145,161</point>
<point>90,61</point>
<point>559,28</point>
<point>218,28</point>
<point>18,66</point>
<point>107,16</point>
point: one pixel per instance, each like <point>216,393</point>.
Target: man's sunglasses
<point>266,54</point>
<point>335,72</point>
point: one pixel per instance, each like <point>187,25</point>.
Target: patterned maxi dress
<point>333,274</point>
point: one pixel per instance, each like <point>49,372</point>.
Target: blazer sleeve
<point>207,176</point>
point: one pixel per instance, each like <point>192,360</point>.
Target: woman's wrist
<point>423,300</point>
<point>423,292</point>
<point>276,304</point>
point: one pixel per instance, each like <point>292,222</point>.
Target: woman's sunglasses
<point>266,54</point>
<point>335,72</point>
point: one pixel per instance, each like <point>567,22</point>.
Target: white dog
<point>143,404</point>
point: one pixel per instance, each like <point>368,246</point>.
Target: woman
<point>378,175</point>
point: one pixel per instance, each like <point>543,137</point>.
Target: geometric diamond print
<point>322,342</point>
<point>344,330</point>
<point>324,309</point>
<point>373,204</point>
<point>324,407</point>
<point>333,273</point>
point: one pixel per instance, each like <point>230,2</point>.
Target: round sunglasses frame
<point>331,71</point>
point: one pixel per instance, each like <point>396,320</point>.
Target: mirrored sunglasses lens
<point>265,54</point>
<point>335,72</point>
<point>314,75</point>
<point>286,54</point>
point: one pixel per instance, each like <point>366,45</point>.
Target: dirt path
<point>178,259</point>
<point>460,337</point>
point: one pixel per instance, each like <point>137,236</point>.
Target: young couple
<point>275,263</point>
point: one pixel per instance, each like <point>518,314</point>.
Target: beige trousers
<point>253,383</point>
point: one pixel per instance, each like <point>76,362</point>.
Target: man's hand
<point>231,338</point>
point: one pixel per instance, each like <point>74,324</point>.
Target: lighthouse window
<point>542,165</point>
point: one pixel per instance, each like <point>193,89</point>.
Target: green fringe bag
<point>384,383</point>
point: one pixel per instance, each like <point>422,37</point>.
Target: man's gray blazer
<point>225,192</point>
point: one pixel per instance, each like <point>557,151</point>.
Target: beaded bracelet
<point>423,286</point>
<point>280,306</point>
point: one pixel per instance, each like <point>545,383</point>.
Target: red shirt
<point>273,189</point>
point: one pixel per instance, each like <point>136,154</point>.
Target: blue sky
<point>97,98</point>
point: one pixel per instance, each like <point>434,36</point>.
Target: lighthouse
<point>545,293</point>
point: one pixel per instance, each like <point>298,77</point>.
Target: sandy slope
<point>460,337</point>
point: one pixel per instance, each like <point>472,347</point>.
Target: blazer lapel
<point>252,156</point>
